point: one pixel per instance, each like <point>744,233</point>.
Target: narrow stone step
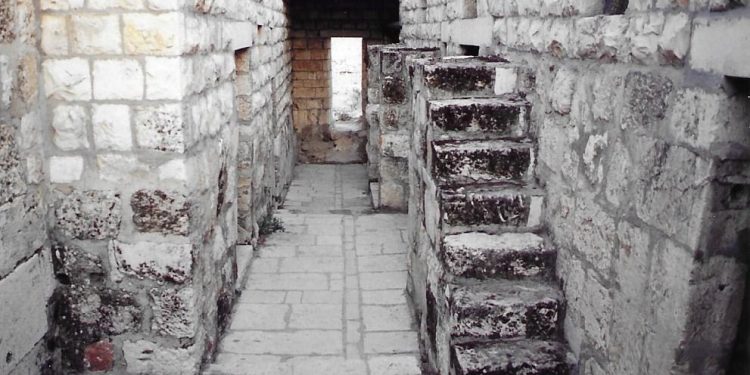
<point>508,255</point>
<point>465,162</point>
<point>522,357</point>
<point>506,117</point>
<point>501,309</point>
<point>466,76</point>
<point>504,205</point>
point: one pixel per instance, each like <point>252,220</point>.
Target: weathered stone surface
<point>69,127</point>
<point>24,309</point>
<point>502,205</point>
<point>96,34</point>
<point>144,357</point>
<point>158,261</point>
<point>508,255</point>
<point>89,215</point>
<point>157,211</point>
<point>111,125</point>
<point>118,79</point>
<point>11,177</point>
<point>160,128</point>
<point>481,161</point>
<point>152,34</point>
<point>73,264</point>
<point>67,79</point>
<point>99,356</point>
<point>521,357</point>
<point>646,98</point>
<point>505,309</point>
<point>175,312</point>
<point>457,78</point>
<point>502,117</point>
<point>65,169</point>
<point>394,90</point>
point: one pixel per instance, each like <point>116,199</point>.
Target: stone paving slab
<point>327,295</point>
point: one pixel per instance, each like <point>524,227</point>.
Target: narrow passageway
<point>327,295</point>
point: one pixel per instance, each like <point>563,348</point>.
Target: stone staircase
<point>482,273</point>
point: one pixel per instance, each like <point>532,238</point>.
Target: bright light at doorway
<point>346,68</point>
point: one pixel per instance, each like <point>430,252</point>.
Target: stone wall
<point>644,154</point>
<point>312,25</point>
<point>26,280</point>
<point>152,167</point>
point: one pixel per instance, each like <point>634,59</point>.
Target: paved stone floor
<point>326,296</point>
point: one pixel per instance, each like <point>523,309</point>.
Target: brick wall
<point>26,280</point>
<point>643,144</point>
<point>312,25</point>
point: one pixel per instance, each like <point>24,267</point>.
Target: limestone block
<point>675,38</point>
<point>118,79</point>
<point>24,293</point>
<point>65,169</point>
<point>67,79</point>
<point>11,174</point>
<point>160,128</point>
<point>173,170</point>
<point>76,264</point>
<point>96,34</point>
<point>165,78</point>
<point>175,312</point>
<point>157,211</point>
<point>69,127</point>
<point>562,91</point>
<point>592,157</point>
<point>144,357</point>
<point>719,44</point>
<point>61,4</point>
<point>595,237</point>
<point>151,34</point>
<point>165,4</point>
<point>148,260</point>
<point>89,215</point>
<point>54,35</point>
<point>646,99</point>
<point>395,144</point>
<point>115,4</point>
<point>619,175</point>
<point>111,127</point>
<point>120,168</point>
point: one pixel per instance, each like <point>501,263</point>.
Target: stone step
<point>507,256</point>
<point>505,117</point>
<point>467,76</point>
<point>522,357</point>
<point>501,309</point>
<point>503,205</point>
<point>464,162</point>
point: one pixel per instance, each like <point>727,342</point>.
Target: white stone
<point>144,357</point>
<point>160,261</point>
<point>175,312</point>
<point>720,44</point>
<point>96,34</point>
<point>69,127</point>
<point>160,128</point>
<point>675,38</point>
<point>152,34</point>
<point>118,4</point>
<point>173,170</point>
<point>6,80</point>
<point>591,155</point>
<point>165,4</point>
<point>505,80</point>
<point>65,169</point>
<point>120,168</point>
<point>54,35</point>
<point>164,78</point>
<point>61,4</point>
<point>24,295</point>
<point>67,79</point>
<point>118,79</point>
<point>562,91</point>
<point>111,126</point>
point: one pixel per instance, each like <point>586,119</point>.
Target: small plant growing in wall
<point>269,225</point>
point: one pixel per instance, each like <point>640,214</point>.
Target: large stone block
<point>11,173</point>
<point>160,128</point>
<point>111,126</point>
<point>89,215</point>
<point>149,260</point>
<point>69,123</point>
<point>25,294</point>
<point>118,79</point>
<point>65,169</point>
<point>719,44</point>
<point>175,312</point>
<point>68,79</point>
<point>528,357</point>
<point>646,99</point>
<point>54,35</point>
<point>151,34</point>
<point>158,211</point>
<point>456,162</point>
<point>96,34</point>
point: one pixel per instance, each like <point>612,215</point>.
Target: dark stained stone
<point>394,90</point>
<point>457,162</point>
<point>646,97</point>
<point>502,117</point>
<point>11,177</point>
<point>89,215</point>
<point>521,357</point>
<point>157,211</point>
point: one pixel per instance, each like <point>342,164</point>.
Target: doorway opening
<point>346,82</point>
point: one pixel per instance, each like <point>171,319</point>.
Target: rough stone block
<point>526,357</point>
<point>157,211</point>
<point>165,78</point>
<point>65,169</point>
<point>149,260</point>
<point>67,79</point>
<point>160,128</point>
<point>493,205</point>
<point>144,357</point>
<point>69,125</point>
<point>99,356</point>
<point>151,34</point>
<point>54,35</point>
<point>89,215</point>
<point>11,176</point>
<point>646,99</point>
<point>111,125</point>
<point>96,34</point>
<point>394,90</point>
<point>175,312</point>
<point>24,293</point>
<point>506,117</point>
<point>481,161</point>
<point>118,79</point>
